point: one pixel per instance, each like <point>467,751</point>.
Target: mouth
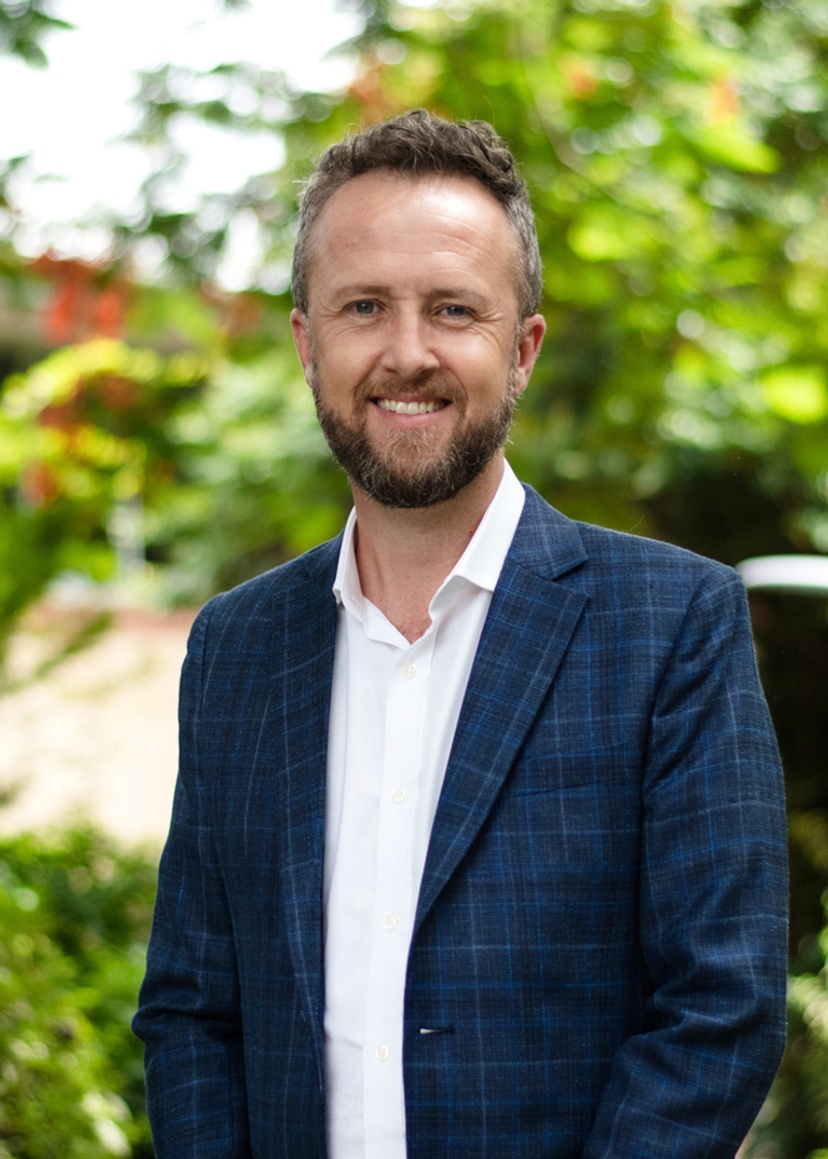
<point>396,406</point>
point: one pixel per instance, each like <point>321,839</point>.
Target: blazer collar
<point>527,631</point>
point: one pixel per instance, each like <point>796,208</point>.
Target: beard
<point>409,470</point>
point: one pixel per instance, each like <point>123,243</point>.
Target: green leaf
<point>797,393</point>
<point>728,145</point>
<point>606,233</point>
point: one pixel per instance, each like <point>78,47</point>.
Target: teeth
<point>409,408</point>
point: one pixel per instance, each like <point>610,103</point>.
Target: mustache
<point>430,387</point>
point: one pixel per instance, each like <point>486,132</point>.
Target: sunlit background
<point>158,443</point>
<point>71,120</point>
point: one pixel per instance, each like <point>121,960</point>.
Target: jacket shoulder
<point>289,591</point>
<point>616,556</point>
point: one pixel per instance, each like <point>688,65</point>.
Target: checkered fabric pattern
<point>598,962</point>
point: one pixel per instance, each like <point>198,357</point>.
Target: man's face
<point>412,343</point>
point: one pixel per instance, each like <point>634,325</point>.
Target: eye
<point>364,309</point>
<point>453,310</point>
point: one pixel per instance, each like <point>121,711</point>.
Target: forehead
<point>383,214</point>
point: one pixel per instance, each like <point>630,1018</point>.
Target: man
<point>478,844</point>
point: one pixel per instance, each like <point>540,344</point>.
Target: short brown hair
<point>418,144</point>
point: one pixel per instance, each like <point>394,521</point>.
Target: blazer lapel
<point>305,633</point>
<point>528,628</point>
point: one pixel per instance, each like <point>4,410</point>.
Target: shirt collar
<point>483,559</point>
<point>480,564</point>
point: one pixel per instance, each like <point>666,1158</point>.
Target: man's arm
<point>189,1014</point>
<point>713,903</point>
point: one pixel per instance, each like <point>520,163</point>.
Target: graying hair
<point>419,144</point>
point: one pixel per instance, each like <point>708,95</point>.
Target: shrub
<point>75,914</point>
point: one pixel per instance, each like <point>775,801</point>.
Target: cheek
<point>347,359</point>
<point>343,381</point>
<point>486,379</point>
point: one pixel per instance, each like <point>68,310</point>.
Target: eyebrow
<point>453,293</point>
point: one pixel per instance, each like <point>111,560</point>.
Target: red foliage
<point>238,314</point>
<point>725,104</point>
<point>39,485</point>
<point>116,393</point>
<point>580,82</point>
<point>369,91</point>
<point>86,301</point>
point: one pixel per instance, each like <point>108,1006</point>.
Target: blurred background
<point>157,442</point>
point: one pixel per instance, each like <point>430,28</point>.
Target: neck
<point>403,555</point>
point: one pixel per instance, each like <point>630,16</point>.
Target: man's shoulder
<point>622,555</point>
<point>298,582</point>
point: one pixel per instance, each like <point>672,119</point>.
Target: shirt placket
<point>395,890</point>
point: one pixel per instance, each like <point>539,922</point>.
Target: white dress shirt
<point>394,711</point>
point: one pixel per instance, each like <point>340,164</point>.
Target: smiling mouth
<point>410,408</point>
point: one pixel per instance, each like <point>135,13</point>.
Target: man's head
<point>411,319</point>
<point>418,145</point>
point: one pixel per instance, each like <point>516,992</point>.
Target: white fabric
<point>394,711</point>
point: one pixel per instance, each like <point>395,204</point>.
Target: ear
<point>301,337</point>
<point>530,337</point>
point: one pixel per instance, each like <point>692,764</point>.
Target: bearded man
<point>478,844</point>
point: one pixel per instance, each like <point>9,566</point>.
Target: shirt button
<point>398,796</point>
<point>409,670</point>
<point>390,922</point>
<point>382,1052</point>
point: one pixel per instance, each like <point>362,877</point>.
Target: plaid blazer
<point>600,935</point>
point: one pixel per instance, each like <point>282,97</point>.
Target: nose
<point>409,347</point>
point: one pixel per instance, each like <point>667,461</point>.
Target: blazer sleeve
<point>713,901</point>
<point>189,1010</point>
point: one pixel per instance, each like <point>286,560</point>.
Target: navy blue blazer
<point>600,935</point>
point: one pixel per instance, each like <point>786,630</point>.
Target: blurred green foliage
<point>677,162</point>
<point>791,635</point>
<point>801,1088</point>
<point>23,25</point>
<point>84,436</point>
<point>676,157</point>
<point>75,913</point>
